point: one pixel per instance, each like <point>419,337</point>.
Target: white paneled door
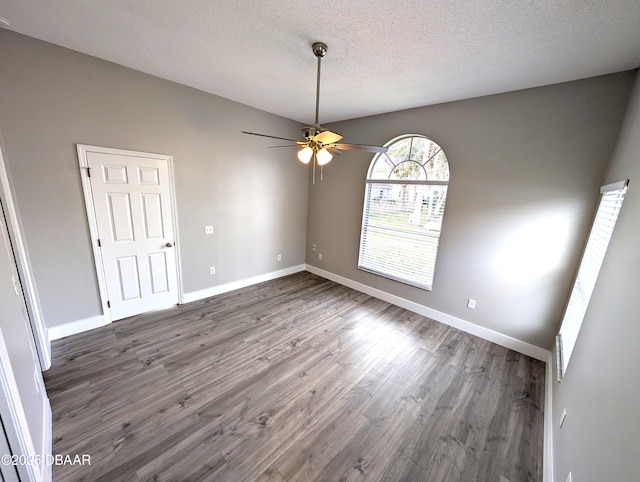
<point>133,205</point>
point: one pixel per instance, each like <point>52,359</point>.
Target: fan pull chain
<point>321,169</point>
<point>314,167</point>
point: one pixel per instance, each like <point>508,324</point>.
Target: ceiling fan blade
<point>270,137</point>
<point>327,137</point>
<point>289,145</point>
<point>334,152</point>
<point>359,147</point>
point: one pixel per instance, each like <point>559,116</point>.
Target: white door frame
<point>14,418</point>
<point>40,332</point>
<point>16,425</point>
<point>83,151</point>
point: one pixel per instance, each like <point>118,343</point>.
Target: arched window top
<point>405,196</point>
<point>410,158</point>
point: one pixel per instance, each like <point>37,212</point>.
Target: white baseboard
<point>47,442</point>
<point>78,326</point>
<point>490,335</point>
<point>547,475</point>
<point>520,346</point>
<point>74,327</point>
<point>234,285</point>
<point>86,324</point>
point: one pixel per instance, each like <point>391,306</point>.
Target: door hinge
<point>99,244</point>
<point>88,171</point>
<point>108,304</point>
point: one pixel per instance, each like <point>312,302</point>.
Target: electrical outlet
<point>320,256</point>
<point>212,270</point>
<point>471,304</point>
<point>313,247</point>
<point>208,230</point>
<point>279,257</point>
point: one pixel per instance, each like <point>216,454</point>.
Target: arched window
<point>406,190</point>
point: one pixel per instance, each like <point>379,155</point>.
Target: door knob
<point>169,244</point>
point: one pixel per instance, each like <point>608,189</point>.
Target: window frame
<point>370,182</point>
<point>595,251</point>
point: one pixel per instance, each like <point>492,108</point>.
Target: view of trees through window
<point>404,206</point>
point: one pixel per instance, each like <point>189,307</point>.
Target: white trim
<point>407,181</point>
<point>93,232</point>
<point>38,327</point>
<point>585,282</point>
<point>86,324</point>
<point>614,186</point>
<point>493,336</point>
<point>47,443</point>
<point>78,326</point>
<point>234,285</point>
<point>520,346</point>
<point>504,340</point>
<point>176,232</point>
<point>547,457</point>
<point>16,425</point>
<point>83,160</point>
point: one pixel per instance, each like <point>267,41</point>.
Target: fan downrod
<point>319,49</point>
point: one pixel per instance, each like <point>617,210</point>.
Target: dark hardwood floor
<point>295,379</point>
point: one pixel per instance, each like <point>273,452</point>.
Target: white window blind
<point>405,197</point>
<point>595,250</point>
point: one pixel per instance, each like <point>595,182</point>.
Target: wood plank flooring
<point>296,379</point>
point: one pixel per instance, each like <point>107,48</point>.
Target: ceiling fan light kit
<point>324,157</point>
<point>319,144</point>
<point>304,154</point>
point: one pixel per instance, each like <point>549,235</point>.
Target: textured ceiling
<point>383,55</point>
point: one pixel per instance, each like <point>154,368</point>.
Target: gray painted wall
<point>599,439</point>
<point>52,98</point>
<point>525,167</point>
<point>525,171</point>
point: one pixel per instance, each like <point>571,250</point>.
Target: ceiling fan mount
<point>310,132</point>
<point>319,144</point>
<point>319,49</point>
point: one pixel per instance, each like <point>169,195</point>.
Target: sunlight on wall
<point>538,243</point>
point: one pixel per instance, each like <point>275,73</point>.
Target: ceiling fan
<point>318,143</point>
